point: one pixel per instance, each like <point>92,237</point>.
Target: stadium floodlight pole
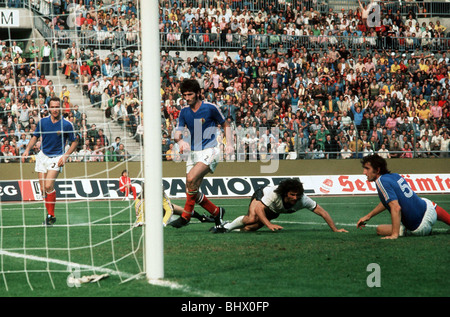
<point>154,246</point>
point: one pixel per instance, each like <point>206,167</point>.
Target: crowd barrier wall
<point>285,167</point>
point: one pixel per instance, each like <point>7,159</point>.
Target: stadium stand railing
<point>201,41</point>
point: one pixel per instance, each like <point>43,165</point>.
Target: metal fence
<point>423,8</point>
<point>201,41</point>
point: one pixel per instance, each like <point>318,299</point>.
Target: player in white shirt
<point>267,203</point>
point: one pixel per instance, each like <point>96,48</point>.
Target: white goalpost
<point>154,262</point>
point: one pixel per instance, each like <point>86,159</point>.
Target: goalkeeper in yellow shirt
<point>169,209</point>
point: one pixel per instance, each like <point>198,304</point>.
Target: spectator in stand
<point>8,154</point>
<point>407,151</point>
<point>121,153</point>
<point>47,56</point>
<point>95,94</point>
<point>252,77</point>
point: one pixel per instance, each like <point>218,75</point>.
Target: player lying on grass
<point>267,203</point>
<point>169,209</point>
<point>409,213</point>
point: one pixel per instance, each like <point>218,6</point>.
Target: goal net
<point>88,54</point>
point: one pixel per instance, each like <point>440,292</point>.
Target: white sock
<point>236,224</point>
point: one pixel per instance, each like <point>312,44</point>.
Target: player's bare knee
<point>191,183</point>
<point>48,188</point>
<point>251,219</point>
<point>378,231</point>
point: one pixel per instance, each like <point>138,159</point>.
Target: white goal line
<point>127,276</point>
<point>65,263</point>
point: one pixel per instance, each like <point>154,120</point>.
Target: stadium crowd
<point>285,100</point>
<point>323,98</point>
<point>25,91</point>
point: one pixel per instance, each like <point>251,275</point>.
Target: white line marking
<point>183,288</point>
<point>128,276</point>
<point>64,263</point>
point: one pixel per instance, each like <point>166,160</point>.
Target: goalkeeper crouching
<point>170,211</point>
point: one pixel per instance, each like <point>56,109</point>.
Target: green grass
<point>305,259</point>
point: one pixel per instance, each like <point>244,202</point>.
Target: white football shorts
<point>209,157</point>
<point>45,163</point>
<point>428,220</point>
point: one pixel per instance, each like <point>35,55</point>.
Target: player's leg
<point>194,179</point>
<point>384,230</point>
<point>429,219</point>
<point>50,191</point>
<point>42,177</point>
<point>249,222</point>
<point>178,210</point>
<point>442,214</point>
<point>50,195</point>
<point>198,165</point>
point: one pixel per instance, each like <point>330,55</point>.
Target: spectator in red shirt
<point>85,67</point>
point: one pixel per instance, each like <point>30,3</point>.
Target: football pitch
<point>305,259</point>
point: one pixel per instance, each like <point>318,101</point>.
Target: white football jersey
<point>275,202</point>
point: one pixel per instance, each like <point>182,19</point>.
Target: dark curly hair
<point>190,85</point>
<point>289,185</point>
<point>377,162</point>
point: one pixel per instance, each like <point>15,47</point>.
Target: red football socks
<point>442,215</point>
<point>189,205</point>
<point>203,201</point>
<point>50,199</point>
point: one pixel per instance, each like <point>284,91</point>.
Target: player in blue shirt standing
<point>202,119</point>
<point>55,132</point>
<point>409,212</point>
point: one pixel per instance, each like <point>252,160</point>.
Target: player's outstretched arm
<point>362,221</point>
<point>326,216</point>
<point>261,217</point>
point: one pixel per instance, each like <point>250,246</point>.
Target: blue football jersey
<point>54,136</point>
<point>202,125</point>
<point>394,187</point>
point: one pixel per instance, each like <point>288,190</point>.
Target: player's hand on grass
<point>362,222</point>
<point>341,230</point>
<point>273,227</point>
